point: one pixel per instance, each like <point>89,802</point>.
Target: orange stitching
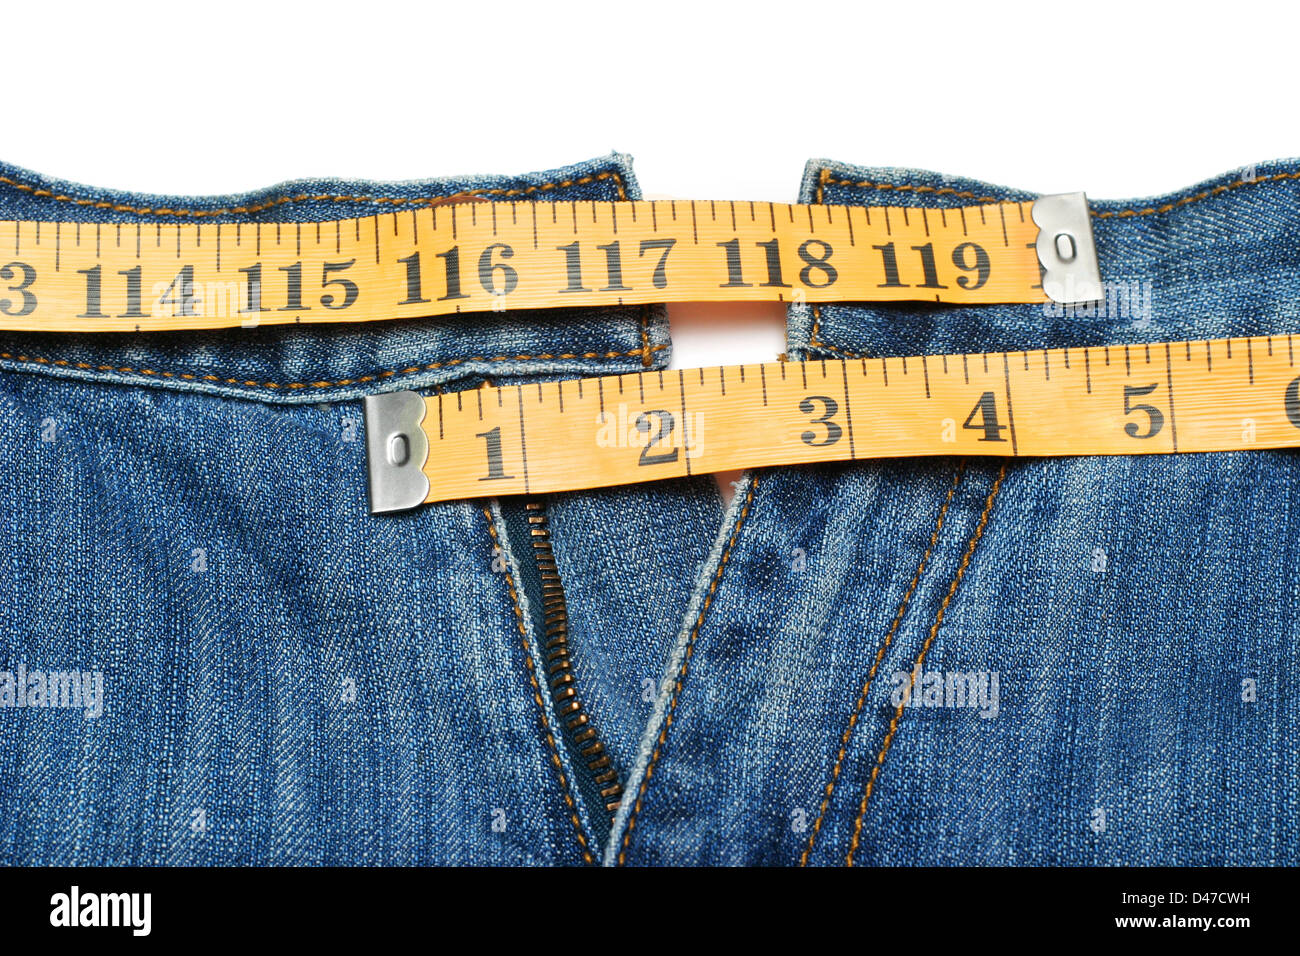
<point>1196,197</point>
<point>871,674</point>
<point>920,659</point>
<point>1121,213</point>
<point>681,674</point>
<point>306,197</point>
<point>359,380</point>
<point>541,707</point>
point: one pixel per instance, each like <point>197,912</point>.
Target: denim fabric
<point>1138,612</point>
<point>288,679</point>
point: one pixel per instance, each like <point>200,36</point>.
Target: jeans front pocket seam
<point>884,646</point>
<point>879,762</point>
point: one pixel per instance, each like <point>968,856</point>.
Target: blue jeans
<point>224,659</point>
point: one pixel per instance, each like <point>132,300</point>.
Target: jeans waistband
<point>1219,259</point>
<point>326,362</point>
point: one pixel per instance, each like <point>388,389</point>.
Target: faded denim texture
<point>288,679</point>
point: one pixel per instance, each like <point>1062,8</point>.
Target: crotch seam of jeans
<point>565,791</point>
<point>42,193</point>
<point>875,665</point>
<point>645,352</point>
<point>920,659</point>
<point>681,673</point>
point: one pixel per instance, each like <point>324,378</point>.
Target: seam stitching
<point>359,380</point>
<point>875,664</point>
<point>1218,190</point>
<point>920,659</point>
<point>41,193</point>
<point>681,673</point>
<point>541,706</point>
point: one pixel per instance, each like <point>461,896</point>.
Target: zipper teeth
<point>559,664</point>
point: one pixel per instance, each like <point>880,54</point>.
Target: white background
<point>722,101</point>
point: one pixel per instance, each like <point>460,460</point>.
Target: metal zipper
<point>559,664</point>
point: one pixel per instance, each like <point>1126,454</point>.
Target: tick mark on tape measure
<point>1011,415</point>
<point>523,439</point>
<point>1087,370</point>
<point>762,377</point>
<point>559,394</point>
<point>963,222</point>
<point>686,423</point>
<point>640,384</point>
<point>925,374</point>
<point>695,229</point>
<point>1003,216</point>
<point>1169,379</point>
<point>848,218</point>
<point>925,221</point>
<point>965,369</point>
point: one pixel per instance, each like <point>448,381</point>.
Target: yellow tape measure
<point>1217,395</point>
<point>474,256</point>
